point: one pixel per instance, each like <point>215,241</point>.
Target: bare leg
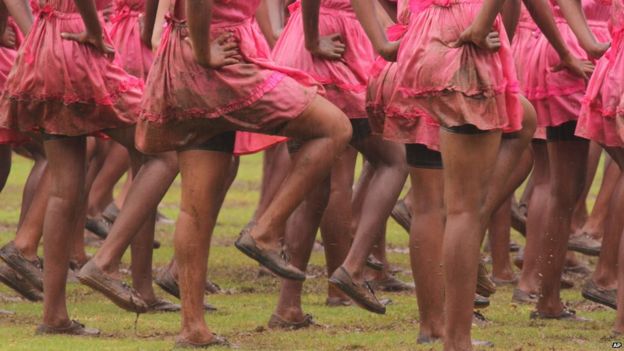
<point>300,233</point>
<point>529,281</point>
<point>567,178</point>
<point>580,211</point>
<point>469,163</point>
<point>595,224</point>
<point>5,164</point>
<point>203,178</point>
<point>115,166</point>
<point>30,231</point>
<point>34,177</point>
<point>275,168</point>
<point>67,160</point>
<point>499,232</point>
<point>427,234</point>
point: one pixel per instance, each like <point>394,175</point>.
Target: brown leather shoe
<point>481,301</point>
<point>216,340</point>
<point>117,291</point>
<point>523,297</point>
<point>277,322</point>
<point>485,286</point>
<point>274,260</point>
<point>337,302</point>
<point>565,315</point>
<point>401,214</point>
<point>13,280</point>
<point>585,244</point>
<point>593,292</point>
<point>75,328</point>
<point>29,270</point>
<point>518,218</point>
<point>166,281</point>
<point>98,226</point>
<point>391,284</point>
<point>162,305</point>
<point>373,263</point>
<point>361,294</point>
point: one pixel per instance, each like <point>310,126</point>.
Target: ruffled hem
<point>173,113</point>
<point>251,143</point>
<point>603,129</point>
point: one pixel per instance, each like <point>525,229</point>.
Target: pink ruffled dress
<point>183,99</point>
<point>452,85</point>
<point>557,96</point>
<point>344,80</point>
<point>131,53</point>
<point>7,58</point>
<point>381,86</point>
<point>526,37</point>
<point>62,87</point>
<point>602,110</point>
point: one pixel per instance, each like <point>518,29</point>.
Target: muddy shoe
<point>485,286</point>
<point>514,246</point>
<point>212,288</point>
<point>593,292</point>
<point>401,214</point>
<point>216,340</point>
<point>523,297</point>
<point>337,302</point>
<point>361,294</point>
<point>391,284</point>
<point>117,291</point>
<point>373,263</point>
<point>99,227</point>
<point>74,328</point>
<point>274,260</point>
<point>565,315</point>
<point>162,305</point>
<point>163,219</point>
<point>14,281</point>
<point>29,270</point>
<point>481,302</point>
<point>167,282</point>
<point>585,244</point>
<point>111,212</point>
<point>276,322</point>
<point>504,282</point>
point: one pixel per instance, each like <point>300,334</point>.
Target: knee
<point>169,162</point>
<point>529,120</point>
<point>340,129</point>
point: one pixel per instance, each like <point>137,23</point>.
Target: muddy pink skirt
<point>344,80</point>
<point>131,54</point>
<point>455,85</point>
<point>602,109</point>
<point>184,101</point>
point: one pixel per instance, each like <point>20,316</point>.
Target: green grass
<point>248,303</point>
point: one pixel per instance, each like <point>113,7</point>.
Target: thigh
<point>66,163</point>
<point>380,152</point>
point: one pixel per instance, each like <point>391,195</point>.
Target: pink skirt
<point>255,95</point>
<point>602,110</point>
<point>557,96</point>
<point>131,54</point>
<point>61,87</point>
<point>251,143</point>
<point>344,80</point>
<point>455,85</point>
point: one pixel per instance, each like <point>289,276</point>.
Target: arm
<point>390,8</point>
<point>327,47</point>
<point>270,17</point>
<point>511,15</point>
<point>159,22</point>
<point>21,13</point>
<point>365,10</point>
<point>573,12</point>
<point>543,16</point>
<point>214,54</point>
<point>93,30</point>
<point>480,32</point>
<point>149,19</point>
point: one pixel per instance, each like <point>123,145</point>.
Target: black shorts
<point>419,156</point>
<point>223,142</point>
<point>465,129</point>
<point>361,130</point>
<point>563,132</point>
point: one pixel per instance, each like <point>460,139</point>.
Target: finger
<point>231,61</point>
<point>231,53</point>
<point>494,35</point>
<point>229,46</point>
<point>108,49</point>
<point>223,37</point>
<point>71,36</point>
<point>336,37</point>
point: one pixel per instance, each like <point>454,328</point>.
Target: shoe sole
<point>345,288</point>
<point>267,263</point>
<point>37,281</point>
<point>16,288</point>
<point>598,300</point>
<point>584,250</point>
<point>114,298</point>
<point>166,288</point>
<point>401,220</point>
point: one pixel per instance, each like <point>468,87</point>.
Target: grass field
<point>248,302</point>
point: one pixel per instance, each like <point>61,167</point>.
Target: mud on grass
<point>249,300</point>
